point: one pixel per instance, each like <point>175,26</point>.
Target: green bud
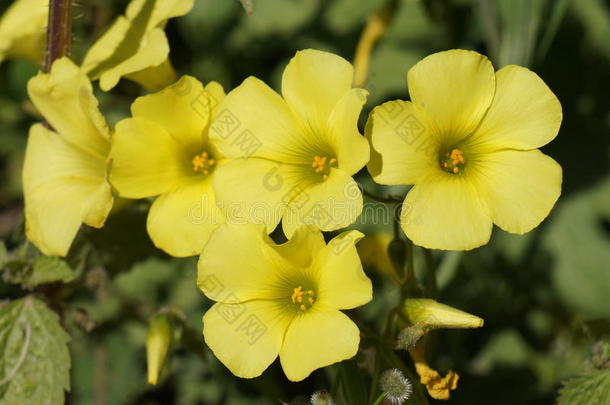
<point>409,336</point>
<point>396,386</point>
<point>158,342</point>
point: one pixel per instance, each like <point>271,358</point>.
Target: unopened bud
<point>321,397</point>
<point>409,336</point>
<point>432,314</point>
<point>396,386</point>
<point>158,342</point>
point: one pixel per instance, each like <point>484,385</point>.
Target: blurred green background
<point>542,295</point>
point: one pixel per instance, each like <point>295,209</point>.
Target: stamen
<point>303,300</point>
<point>203,163</point>
<point>453,161</point>
<point>323,165</point>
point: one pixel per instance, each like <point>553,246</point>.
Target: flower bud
<point>321,397</point>
<point>396,386</point>
<point>158,342</point>
<point>409,336</point>
<point>432,314</point>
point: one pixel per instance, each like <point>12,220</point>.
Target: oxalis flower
<point>135,46</point>
<point>163,150</point>
<point>281,299</point>
<point>468,142</point>
<point>65,168</point>
<point>295,154</point>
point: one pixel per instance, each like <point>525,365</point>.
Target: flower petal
<point>351,147</point>
<point>520,187</point>
<point>328,205</point>
<point>255,190</point>
<point>225,276</point>
<point>343,284</point>
<point>455,88</point>
<point>182,109</point>
<point>253,120</point>
<point>524,114</point>
<point>147,161</point>
<point>22,30</point>
<point>302,247</point>
<point>404,143</point>
<point>67,88</point>
<point>245,337</point>
<point>313,83</point>
<point>63,186</point>
<point>315,339</point>
<point>444,211</point>
<point>181,221</point>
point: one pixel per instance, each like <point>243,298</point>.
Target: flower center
<point>323,164</point>
<point>203,163</point>
<point>303,299</point>
<point>453,161</point>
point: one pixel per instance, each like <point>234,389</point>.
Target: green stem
<point>379,399</point>
<point>386,200</point>
<point>59,31</point>
<point>431,283</point>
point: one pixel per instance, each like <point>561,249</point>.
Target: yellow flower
<point>438,387</point>
<point>22,30</point>
<point>297,153</point>
<point>468,142</point>
<point>164,150</point>
<point>431,314</point>
<point>136,47</point>
<point>281,299</point>
<point>65,169</point>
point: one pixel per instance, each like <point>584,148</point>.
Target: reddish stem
<point>59,31</point>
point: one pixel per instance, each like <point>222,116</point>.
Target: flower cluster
<point>226,169</point>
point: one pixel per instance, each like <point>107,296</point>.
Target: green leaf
<point>42,270</point>
<point>34,359</point>
<point>49,269</point>
<point>591,388</point>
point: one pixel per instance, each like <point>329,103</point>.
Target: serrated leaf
<point>587,389</point>
<point>34,357</point>
<point>49,269</point>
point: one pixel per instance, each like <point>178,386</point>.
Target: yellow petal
<point>63,186</point>
<point>225,276</point>
<point>245,337</point>
<point>255,190</point>
<point>181,221</point>
<point>156,77</point>
<point>67,89</point>
<point>455,88</point>
<point>134,42</point>
<point>154,53</point>
<point>302,247</point>
<point>328,205</point>
<point>147,161</point>
<point>343,284</point>
<point>316,339</point>
<point>313,83</point>
<point>520,187</point>
<point>351,147</point>
<point>404,142</point>
<point>216,94</point>
<point>182,109</point>
<point>524,114</point>
<point>444,211</point>
<point>22,30</point>
<point>253,120</point>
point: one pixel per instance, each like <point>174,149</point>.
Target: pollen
<point>453,161</point>
<point>303,300</point>
<point>323,164</point>
<point>203,163</point>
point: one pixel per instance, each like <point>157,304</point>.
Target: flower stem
<point>59,31</point>
<point>379,399</point>
<point>431,283</point>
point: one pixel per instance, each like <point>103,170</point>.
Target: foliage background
<point>538,293</point>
